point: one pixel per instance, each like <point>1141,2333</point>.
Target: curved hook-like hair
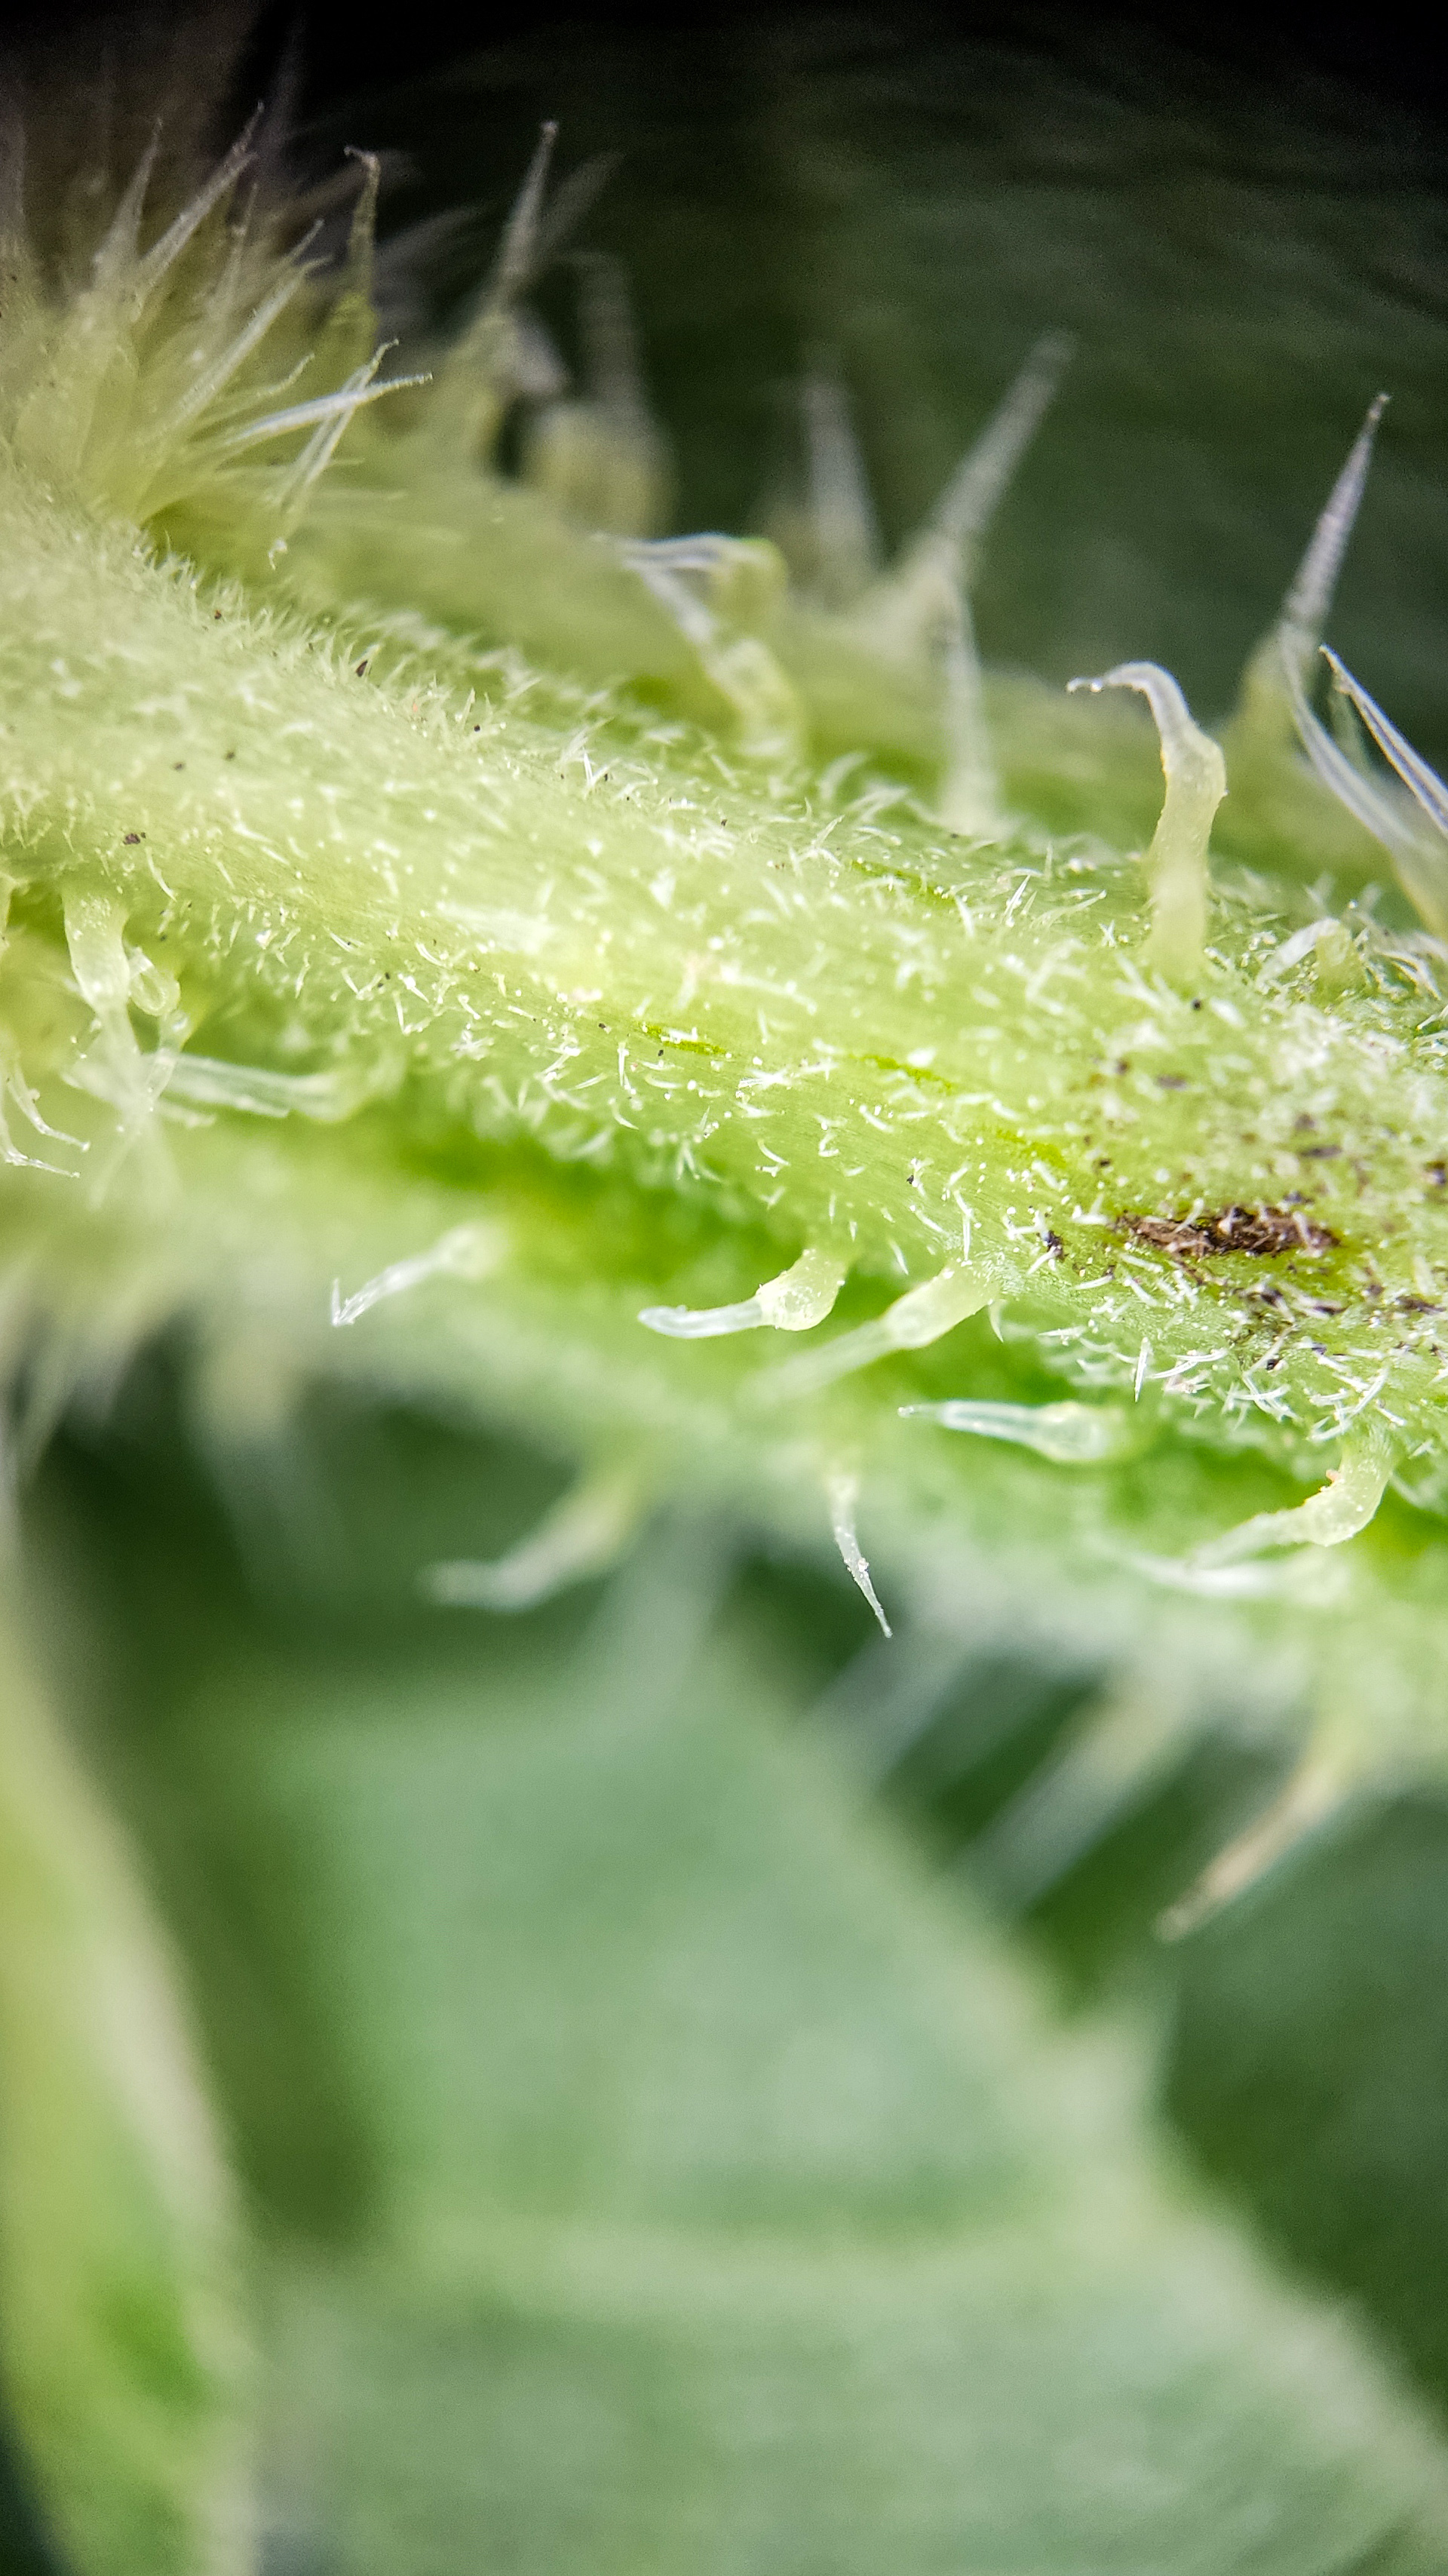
<point>1420,858</point>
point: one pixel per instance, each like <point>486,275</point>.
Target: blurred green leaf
<point>732,2200</point>
<point>124,2356</point>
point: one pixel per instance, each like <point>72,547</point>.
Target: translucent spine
<point>924,600</point>
<point>472,1251</point>
<point>1419,856</point>
<point>583,1535</point>
<point>1196,782</point>
<point>715,590</point>
<point>845,535</point>
<point>843,1490</point>
<point>1069,1435</point>
<point>1336,1512</point>
<point>915,1320</point>
<point>794,1302</point>
<point>115,1070</point>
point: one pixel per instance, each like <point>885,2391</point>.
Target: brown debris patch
<point>1236,1229</point>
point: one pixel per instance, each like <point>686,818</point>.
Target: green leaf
<point>734,2201</point>
<point>124,2358</point>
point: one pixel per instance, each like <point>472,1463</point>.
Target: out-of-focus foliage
<point>653,2162</point>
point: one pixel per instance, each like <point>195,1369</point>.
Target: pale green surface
<point>125,2360</point>
<point>733,2202</point>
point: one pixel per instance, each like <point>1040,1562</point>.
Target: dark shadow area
<point>1241,221</point>
<point>1244,235</point>
<point>1306,2061</point>
<point>1099,1921</point>
<point>1308,2064</point>
<point>995,1726</point>
<point>25,2550</point>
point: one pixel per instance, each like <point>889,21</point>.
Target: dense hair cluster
<point>460,936</point>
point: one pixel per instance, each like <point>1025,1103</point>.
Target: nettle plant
<point>657,996</point>
<point>498,1025</point>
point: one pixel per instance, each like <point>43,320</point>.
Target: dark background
<point>1242,217</point>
